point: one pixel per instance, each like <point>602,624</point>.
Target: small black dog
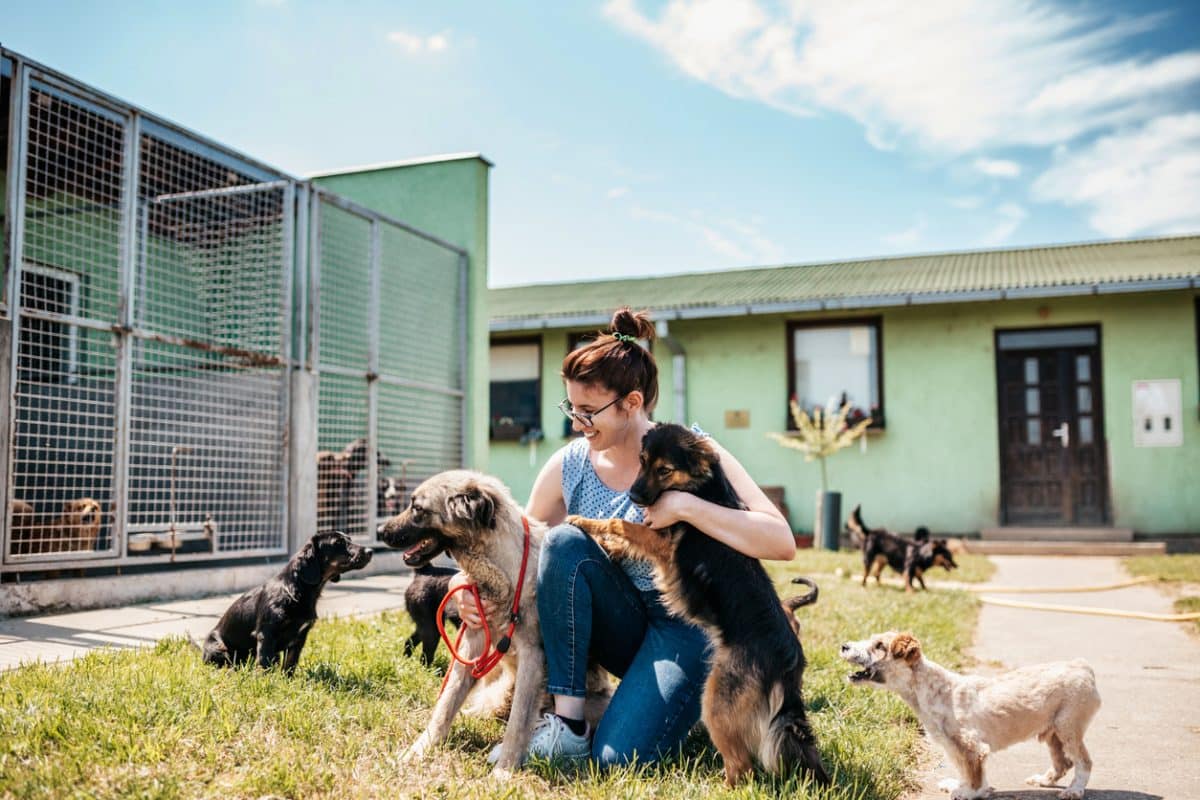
<point>909,558</point>
<point>429,587</point>
<point>752,705</point>
<point>270,623</point>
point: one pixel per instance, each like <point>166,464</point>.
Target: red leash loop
<point>489,658</point>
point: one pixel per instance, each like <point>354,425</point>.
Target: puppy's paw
<point>1071,794</point>
<point>964,792</point>
<point>414,752</point>
<point>1041,779</point>
<point>948,784</point>
<point>502,774</point>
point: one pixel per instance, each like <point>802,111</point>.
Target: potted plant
<point>819,436</point>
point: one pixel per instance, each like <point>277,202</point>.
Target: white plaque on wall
<point>1158,413</point>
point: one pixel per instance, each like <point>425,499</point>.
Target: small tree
<point>822,434</point>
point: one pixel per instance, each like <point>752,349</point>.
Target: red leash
<point>488,659</point>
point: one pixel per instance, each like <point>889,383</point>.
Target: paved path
<point>1145,740</point>
<point>59,637</point>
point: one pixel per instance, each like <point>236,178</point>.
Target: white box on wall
<point>1158,413</point>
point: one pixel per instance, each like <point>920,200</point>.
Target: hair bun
<point>630,323</point>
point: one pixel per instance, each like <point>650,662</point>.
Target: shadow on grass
<point>344,682</point>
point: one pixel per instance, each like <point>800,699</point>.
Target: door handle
<point>1063,432</point>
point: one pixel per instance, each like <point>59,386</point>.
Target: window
<point>836,362</point>
<point>49,350</point>
<point>516,388</point>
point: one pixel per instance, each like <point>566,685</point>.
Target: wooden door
<point>1052,454</point>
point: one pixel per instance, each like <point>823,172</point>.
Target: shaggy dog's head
<point>672,457</point>
<point>886,658</point>
<point>452,510</point>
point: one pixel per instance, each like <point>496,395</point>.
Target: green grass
<point>1182,567</point>
<point>813,561</point>
<point>158,723</point>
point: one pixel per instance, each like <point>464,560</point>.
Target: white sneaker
<point>552,740</point>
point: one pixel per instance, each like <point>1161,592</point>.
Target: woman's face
<point>609,422</point>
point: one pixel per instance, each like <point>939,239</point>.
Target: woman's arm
<point>546,498</point>
<point>760,531</point>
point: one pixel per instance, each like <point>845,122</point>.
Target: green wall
<point>938,462</point>
<point>448,199</point>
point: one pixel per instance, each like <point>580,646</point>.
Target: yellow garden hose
<point>1098,612</point>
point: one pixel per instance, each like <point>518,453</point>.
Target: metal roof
<point>1090,268</point>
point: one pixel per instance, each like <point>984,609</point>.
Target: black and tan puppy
<point>909,558</point>
<point>752,703</point>
<point>429,587</point>
<point>270,623</point>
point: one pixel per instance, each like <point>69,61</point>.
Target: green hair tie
<point>624,337</point>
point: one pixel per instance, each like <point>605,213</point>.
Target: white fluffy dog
<point>973,716</point>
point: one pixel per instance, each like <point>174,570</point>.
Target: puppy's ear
<point>475,506</point>
<point>906,647</point>
<point>309,570</point>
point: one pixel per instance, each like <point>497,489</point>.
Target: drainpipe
<point>678,369</point>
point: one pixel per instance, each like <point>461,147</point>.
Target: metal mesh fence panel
<point>342,436</point>
<point>390,361</point>
<point>73,195</point>
<point>150,397</point>
<point>63,434</point>
<point>205,453</point>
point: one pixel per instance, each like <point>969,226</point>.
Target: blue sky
<point>636,138</point>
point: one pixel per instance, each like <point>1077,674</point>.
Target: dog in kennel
<point>337,476</point>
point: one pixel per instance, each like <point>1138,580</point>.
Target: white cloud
<point>1143,180</point>
<point>617,191</point>
<point>737,240</point>
<point>415,44</point>
<point>1011,216</point>
<point>966,202</point>
<point>997,168</point>
<point>909,237</point>
<point>961,78</point>
<point>951,75</point>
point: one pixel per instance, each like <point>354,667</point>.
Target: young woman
<point>590,606</point>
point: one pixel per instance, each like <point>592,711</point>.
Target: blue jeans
<point>589,607</point>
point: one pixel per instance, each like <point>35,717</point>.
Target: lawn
<point>160,723</point>
<point>1183,567</point>
<point>1177,569</point>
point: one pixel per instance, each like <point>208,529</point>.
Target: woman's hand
<point>670,507</point>
<point>466,602</point>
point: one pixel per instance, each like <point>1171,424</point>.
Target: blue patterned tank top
<point>587,496</point>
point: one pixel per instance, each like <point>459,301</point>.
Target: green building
<point>1043,387</point>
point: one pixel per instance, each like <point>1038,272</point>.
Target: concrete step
<point>1015,533</point>
<point>1062,548</point>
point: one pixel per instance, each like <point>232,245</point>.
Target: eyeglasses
<point>584,418</point>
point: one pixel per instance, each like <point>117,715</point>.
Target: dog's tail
<point>790,744</point>
<point>792,603</point>
<point>856,526</point>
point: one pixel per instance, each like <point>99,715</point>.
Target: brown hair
<point>614,361</point>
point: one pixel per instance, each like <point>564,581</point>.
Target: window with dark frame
<point>515,389</point>
<point>831,362</point>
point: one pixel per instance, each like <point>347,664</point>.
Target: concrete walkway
<point>1145,740</point>
<point>62,637</point>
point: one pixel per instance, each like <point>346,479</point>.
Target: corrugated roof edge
<point>710,310</point>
